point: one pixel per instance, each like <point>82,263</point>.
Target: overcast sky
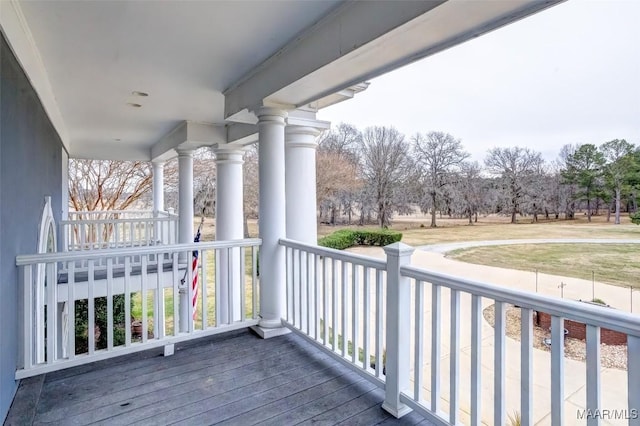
<point>570,74</point>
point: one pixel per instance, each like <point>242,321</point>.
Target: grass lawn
<point>210,269</point>
<point>495,227</point>
<point>611,263</point>
<point>617,264</point>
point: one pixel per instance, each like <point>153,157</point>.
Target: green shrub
<point>635,218</point>
<point>338,240</point>
<point>346,238</point>
<point>101,321</point>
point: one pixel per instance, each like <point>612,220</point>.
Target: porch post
<point>272,225</point>
<point>185,223</point>
<point>158,187</point>
<point>397,330</point>
<point>158,200</point>
<point>229,226</point>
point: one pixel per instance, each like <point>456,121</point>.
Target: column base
<point>267,333</point>
<point>396,412</point>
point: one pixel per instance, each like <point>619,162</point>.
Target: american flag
<point>194,282</point>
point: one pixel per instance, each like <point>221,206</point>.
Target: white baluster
<point>499,385</point>
<point>593,372</point>
<point>557,370</point>
<point>476,360</point>
<point>526,366</point>
<point>454,370</point>
<point>418,374</point>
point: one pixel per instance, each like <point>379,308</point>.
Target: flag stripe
<point>194,282</point>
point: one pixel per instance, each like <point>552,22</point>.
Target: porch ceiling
<point>182,54</point>
<point>206,61</point>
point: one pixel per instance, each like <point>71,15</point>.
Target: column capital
<point>185,152</point>
<point>302,130</point>
<point>301,136</point>
<point>270,114</point>
<point>307,122</point>
<point>229,155</point>
<point>157,163</point>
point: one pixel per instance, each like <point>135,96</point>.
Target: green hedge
<point>346,238</point>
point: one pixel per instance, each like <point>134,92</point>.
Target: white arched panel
<point>47,243</point>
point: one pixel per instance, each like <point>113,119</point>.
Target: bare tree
<point>251,186</point>
<point>470,190</point>
<point>343,139</point>
<point>515,166</point>
<point>107,185</point>
<point>439,155</point>
<point>337,171</point>
<point>385,165</point>
<point>336,179</point>
<point>204,182</point>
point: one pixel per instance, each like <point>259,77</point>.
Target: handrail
<point>109,211</point>
<point>337,254</point>
<point>582,312</point>
<point>27,259</point>
<point>114,221</point>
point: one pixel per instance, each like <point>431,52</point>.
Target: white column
<point>158,186</point>
<point>185,196</point>
<point>300,165</point>
<point>185,223</point>
<point>300,188</point>
<point>160,233</point>
<point>229,226</point>
<point>272,225</point>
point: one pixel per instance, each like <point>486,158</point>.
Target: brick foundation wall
<point>578,330</point>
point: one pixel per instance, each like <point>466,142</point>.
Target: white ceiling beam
<point>187,135</point>
<point>163,149</point>
<point>338,33</point>
<point>242,134</point>
<point>339,51</point>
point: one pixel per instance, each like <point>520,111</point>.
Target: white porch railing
<point>117,214</point>
<point>337,300</point>
<point>57,295</point>
<point>423,310</point>
<point>117,229</point>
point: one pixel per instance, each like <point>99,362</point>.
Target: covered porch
<point>346,338</point>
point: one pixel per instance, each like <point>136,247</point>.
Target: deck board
<point>231,379</point>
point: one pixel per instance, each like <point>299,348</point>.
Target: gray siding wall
<point>30,169</point>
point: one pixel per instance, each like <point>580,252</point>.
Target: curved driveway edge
<point>447,247</point>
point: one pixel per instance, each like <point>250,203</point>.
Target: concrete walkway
<point>447,247</point>
<point>614,382</point>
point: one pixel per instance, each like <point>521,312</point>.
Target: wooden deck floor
<point>232,379</point>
